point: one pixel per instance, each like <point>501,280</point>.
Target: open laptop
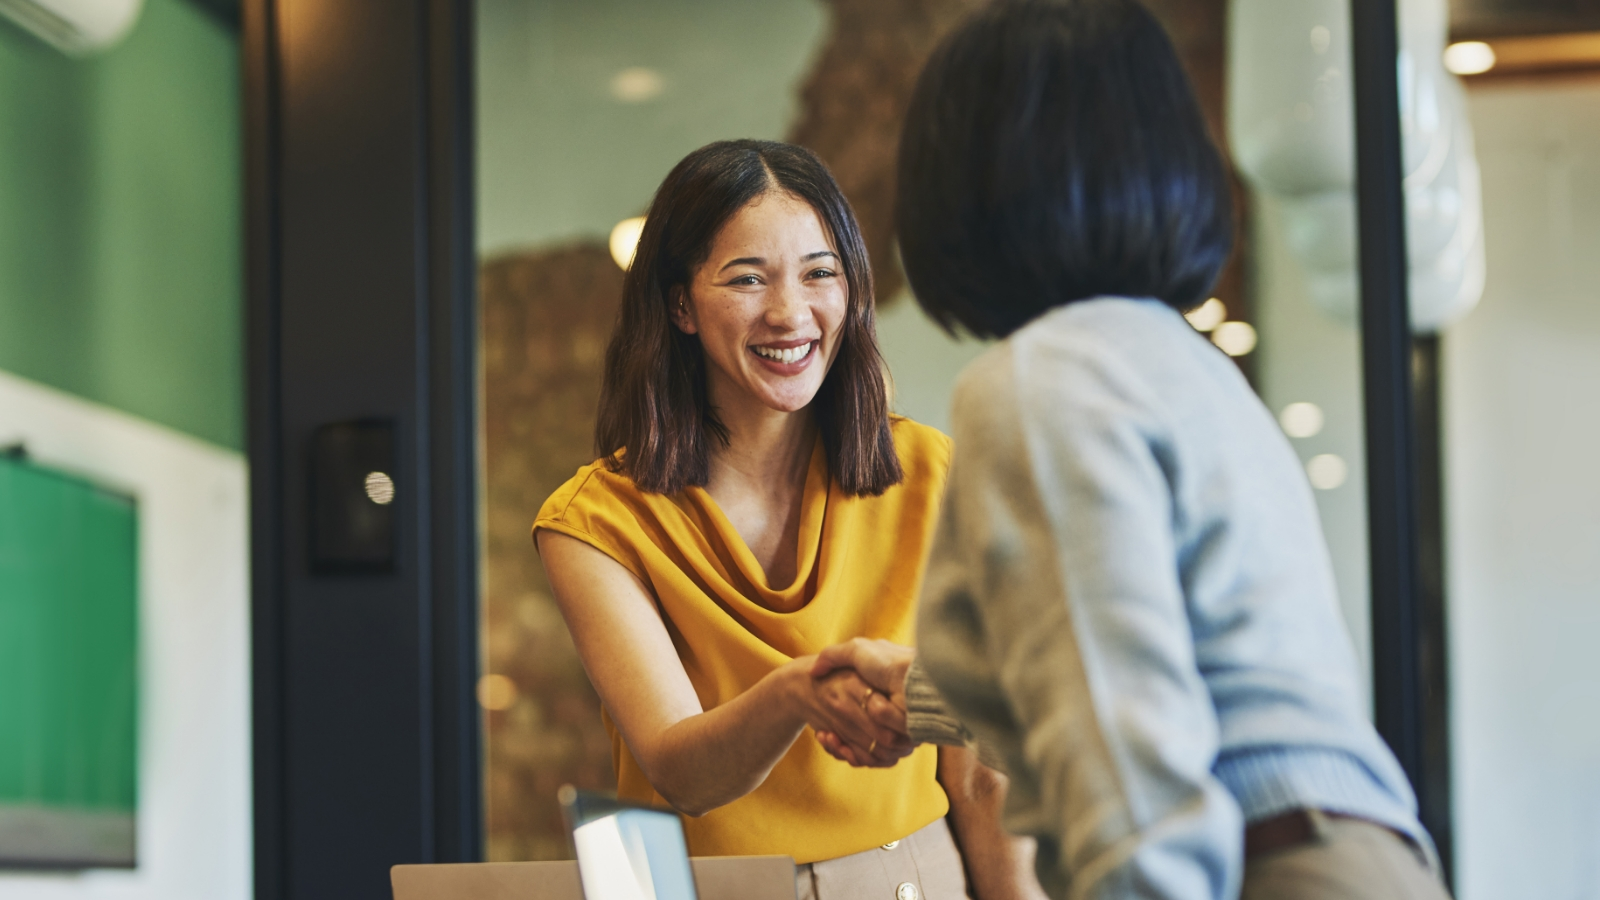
<point>625,852</point>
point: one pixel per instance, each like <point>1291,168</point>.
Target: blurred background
<point>122,367</point>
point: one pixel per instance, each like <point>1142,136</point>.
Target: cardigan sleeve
<point>930,721</point>
<point>927,717</point>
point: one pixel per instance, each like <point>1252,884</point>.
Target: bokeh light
<point>1207,315</point>
<point>637,84</point>
<point>1301,420</point>
<point>625,240</point>
<point>1469,58</point>
<point>497,693</point>
<point>1326,471</point>
<point>1235,338</point>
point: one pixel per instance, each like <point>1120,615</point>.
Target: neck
<point>766,446</point>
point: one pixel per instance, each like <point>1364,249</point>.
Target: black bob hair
<point>1054,151</point>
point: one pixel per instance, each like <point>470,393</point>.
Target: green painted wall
<point>120,221</point>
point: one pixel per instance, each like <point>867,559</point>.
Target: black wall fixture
<point>353,493</point>
<point>361,309</point>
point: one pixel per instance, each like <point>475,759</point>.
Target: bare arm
<point>697,760</point>
<point>999,865</point>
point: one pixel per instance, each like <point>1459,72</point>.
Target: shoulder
<point>597,502</point>
<point>1106,355</point>
<point>984,394</point>
<point>592,486</point>
<point>924,451</point>
<point>1089,368</point>
<point>600,507</point>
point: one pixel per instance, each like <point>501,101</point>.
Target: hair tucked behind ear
<point>656,423</point>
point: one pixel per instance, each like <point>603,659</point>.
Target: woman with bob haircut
<point>754,502</point>
<point>1129,599</point>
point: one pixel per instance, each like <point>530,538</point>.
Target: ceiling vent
<point>77,27</point>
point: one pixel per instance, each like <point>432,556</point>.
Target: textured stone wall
<point>546,317</point>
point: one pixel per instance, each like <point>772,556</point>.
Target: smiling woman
<point>764,320</point>
<point>753,504</point>
<point>713,248</point>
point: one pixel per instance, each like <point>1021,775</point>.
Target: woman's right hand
<point>883,666</point>
<point>841,706</point>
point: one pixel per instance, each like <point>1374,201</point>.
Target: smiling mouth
<point>785,355</point>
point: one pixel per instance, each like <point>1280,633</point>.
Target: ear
<point>679,309</point>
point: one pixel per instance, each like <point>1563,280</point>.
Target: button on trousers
<point>922,866</point>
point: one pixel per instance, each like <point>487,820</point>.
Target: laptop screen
<point>628,853</point>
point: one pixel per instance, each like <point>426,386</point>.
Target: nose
<point>787,309</point>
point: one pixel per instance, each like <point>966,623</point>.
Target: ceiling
<point>1492,18</point>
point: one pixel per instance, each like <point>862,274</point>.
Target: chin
<point>790,400</point>
<point>789,406</point>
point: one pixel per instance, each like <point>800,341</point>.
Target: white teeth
<point>787,355</point>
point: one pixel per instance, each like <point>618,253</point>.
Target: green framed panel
<point>69,614</point>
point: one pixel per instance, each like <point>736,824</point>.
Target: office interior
<point>227,228</point>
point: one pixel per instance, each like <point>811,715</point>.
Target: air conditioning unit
<point>77,27</point>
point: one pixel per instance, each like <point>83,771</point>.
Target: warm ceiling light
<point>1207,315</point>
<point>1469,58</point>
<point>1235,338</point>
<point>1301,420</point>
<point>637,84</point>
<point>625,240</point>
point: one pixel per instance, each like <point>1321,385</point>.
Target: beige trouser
<point>923,866</point>
<point>1347,859</point>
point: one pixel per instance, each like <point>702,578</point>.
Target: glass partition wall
<point>584,106</point>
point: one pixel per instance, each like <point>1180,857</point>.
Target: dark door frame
<point>1404,466</point>
<point>360,304</point>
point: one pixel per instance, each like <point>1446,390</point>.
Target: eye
<point>822,273</point>
<point>746,280</point>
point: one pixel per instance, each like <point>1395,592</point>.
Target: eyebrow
<point>759,261</point>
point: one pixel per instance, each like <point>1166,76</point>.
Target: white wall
<point>1521,379</point>
<point>194,834</point>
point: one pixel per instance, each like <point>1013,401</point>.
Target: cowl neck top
<point>858,573</point>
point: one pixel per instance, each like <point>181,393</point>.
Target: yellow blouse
<point>859,573</point>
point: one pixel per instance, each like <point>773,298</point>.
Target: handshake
<point>860,698</point>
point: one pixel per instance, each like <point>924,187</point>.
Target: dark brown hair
<point>656,423</point>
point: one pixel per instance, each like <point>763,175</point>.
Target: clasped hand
<point>863,682</point>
